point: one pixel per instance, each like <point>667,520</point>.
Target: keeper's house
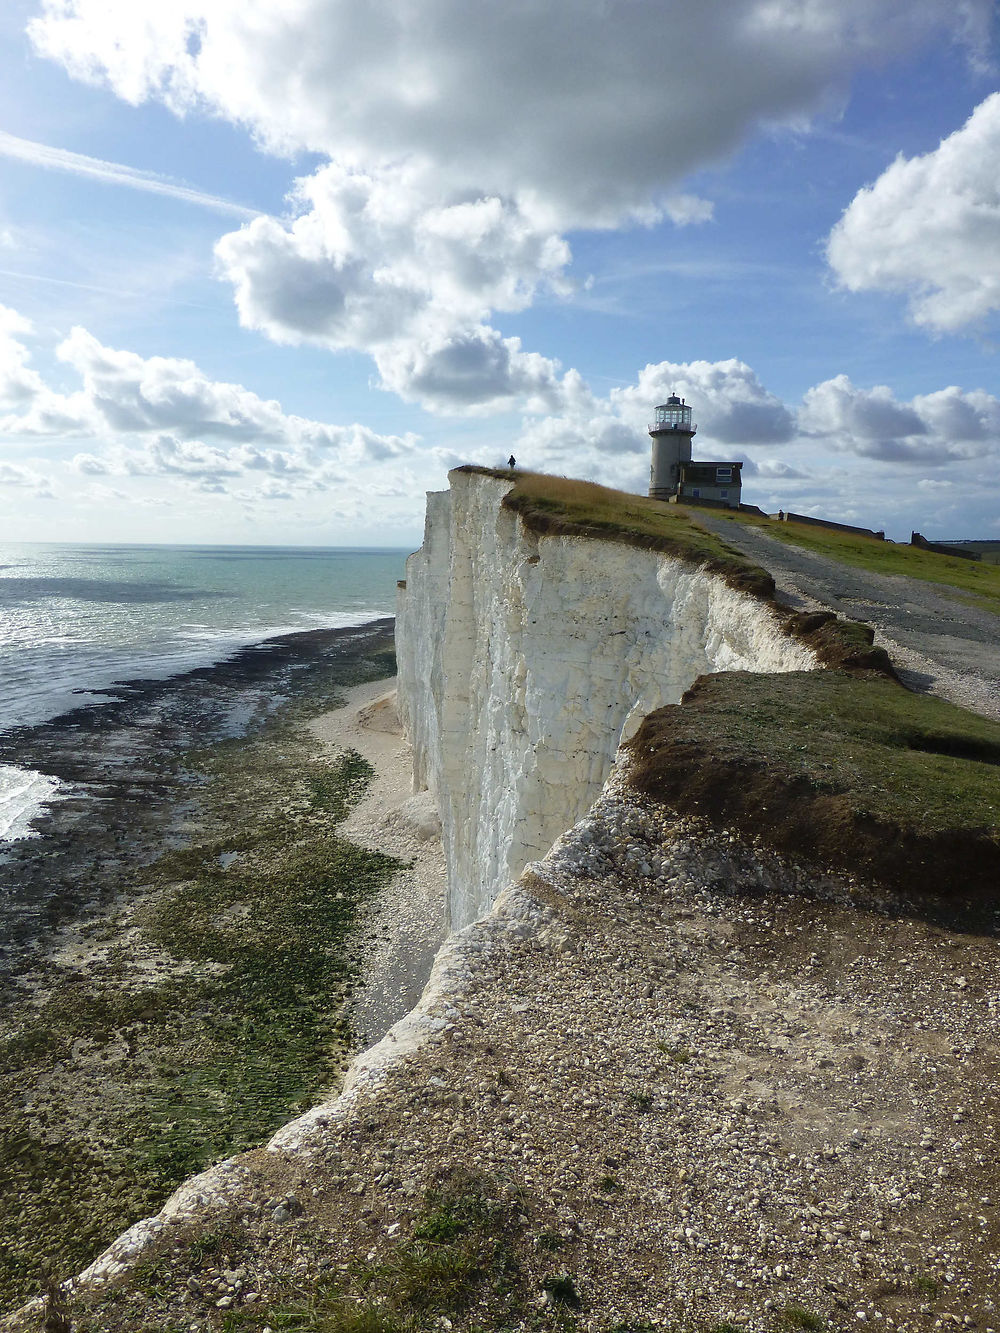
<point>718,482</point>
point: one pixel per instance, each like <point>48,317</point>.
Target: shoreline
<point>140,1022</point>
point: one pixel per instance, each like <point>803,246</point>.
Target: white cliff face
<point>524,661</point>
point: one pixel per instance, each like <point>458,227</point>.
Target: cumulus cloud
<point>595,107</point>
<point>935,428</point>
<point>929,227</point>
<point>734,408</point>
<point>845,452</point>
<point>27,405</point>
<point>465,141</point>
<point>163,417</point>
<point>372,263</point>
<point>124,394</point>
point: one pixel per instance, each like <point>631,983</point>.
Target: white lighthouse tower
<point>672,434</point>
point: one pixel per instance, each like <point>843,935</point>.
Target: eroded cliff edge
<point>526,659</point>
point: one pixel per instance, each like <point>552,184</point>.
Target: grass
<point>795,1316</point>
<point>679,1055</point>
<point>461,1258</point>
<point>851,770</point>
<point>128,1076</point>
<point>556,506</point>
<point>979,582</point>
<point>925,1286</point>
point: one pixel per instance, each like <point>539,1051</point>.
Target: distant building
<point>673,476</point>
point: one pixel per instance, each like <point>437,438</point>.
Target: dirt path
<point>940,644</point>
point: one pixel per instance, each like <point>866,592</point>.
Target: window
<point>723,474</point>
<point>724,495</point>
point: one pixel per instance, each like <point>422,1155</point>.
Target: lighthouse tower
<point>672,434</point>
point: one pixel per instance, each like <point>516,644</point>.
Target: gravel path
<point>940,645</point>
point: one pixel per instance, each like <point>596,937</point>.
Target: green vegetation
<point>679,1055</point>
<point>204,1012</point>
<point>794,1316</point>
<point>561,1287</point>
<point>559,505</point>
<point>462,1256</point>
<point>980,582</point>
<point>853,771</point>
<point>467,1258</point>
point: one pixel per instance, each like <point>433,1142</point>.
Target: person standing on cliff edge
<point>511,461</point>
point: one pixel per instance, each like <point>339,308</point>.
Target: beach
<point>206,929</point>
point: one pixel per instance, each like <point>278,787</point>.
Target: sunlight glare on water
<point>75,619</point>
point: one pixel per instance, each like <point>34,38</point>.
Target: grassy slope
<point>851,770</point>
<point>979,583</point>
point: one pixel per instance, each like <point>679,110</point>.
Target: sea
<point>76,619</point>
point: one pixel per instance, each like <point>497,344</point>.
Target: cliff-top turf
<point>851,771</point>
<point>562,506</point>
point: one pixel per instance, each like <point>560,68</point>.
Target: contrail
<point>114,173</point>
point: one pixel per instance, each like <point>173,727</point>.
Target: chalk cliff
<point>524,660</point>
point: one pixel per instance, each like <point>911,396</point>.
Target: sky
<point>269,268</point>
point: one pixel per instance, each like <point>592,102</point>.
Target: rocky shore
<point>182,939</point>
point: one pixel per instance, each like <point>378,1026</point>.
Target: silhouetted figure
<point>511,462</point>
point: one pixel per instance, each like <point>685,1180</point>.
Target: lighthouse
<point>671,433</point>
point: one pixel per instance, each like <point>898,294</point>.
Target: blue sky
<point>268,268</point>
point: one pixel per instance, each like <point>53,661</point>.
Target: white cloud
<point>849,452</point>
<point>371,262</point>
<point>27,404</point>
<point>465,141</point>
<point>607,439</point>
<point>158,431</point>
<point>163,418</point>
<point>733,408</point>
<point>936,428</point>
<point>12,474</point>
<point>929,227</point>
<point>595,106</point>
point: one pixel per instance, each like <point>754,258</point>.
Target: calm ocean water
<point>77,618</point>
